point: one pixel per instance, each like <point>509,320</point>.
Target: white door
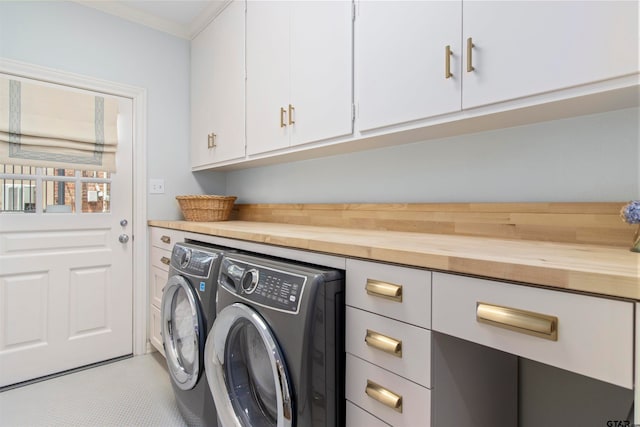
<point>268,78</point>
<point>321,70</point>
<point>401,61</point>
<point>217,88</point>
<point>65,278</point>
<point>522,48</point>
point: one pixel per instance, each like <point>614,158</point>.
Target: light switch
<point>156,186</point>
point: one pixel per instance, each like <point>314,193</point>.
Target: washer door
<point>182,324</point>
<point>246,371</point>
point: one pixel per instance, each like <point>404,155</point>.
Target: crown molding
<point>187,32</point>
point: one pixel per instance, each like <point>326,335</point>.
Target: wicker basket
<point>206,208</point>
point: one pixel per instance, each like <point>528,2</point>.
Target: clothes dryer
<point>188,310</point>
<point>275,354</point>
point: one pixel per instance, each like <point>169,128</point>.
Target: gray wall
<point>589,158</point>
<point>70,37</point>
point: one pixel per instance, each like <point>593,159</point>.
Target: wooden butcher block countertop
<point>592,268</point>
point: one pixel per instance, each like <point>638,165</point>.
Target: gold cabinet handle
<point>526,322</point>
<point>384,290</point>
<point>211,140</point>
<point>165,239</point>
<point>384,396</point>
<point>282,113</point>
<point>470,47</point>
<point>384,343</point>
<point>291,110</point>
<point>165,260</point>
<point>447,62</point>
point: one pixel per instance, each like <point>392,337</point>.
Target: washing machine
<point>275,355</point>
<point>188,310</point>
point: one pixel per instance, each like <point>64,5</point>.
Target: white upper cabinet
<point>299,73</point>
<point>498,51</point>
<point>217,89</point>
<point>523,48</point>
<point>403,71</point>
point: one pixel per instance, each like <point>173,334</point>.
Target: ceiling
<point>181,18</point>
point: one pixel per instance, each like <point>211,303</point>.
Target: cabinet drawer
<point>594,335</point>
<point>414,286</point>
<point>165,238</point>
<point>358,417</point>
<point>157,280</point>
<point>155,335</point>
<point>415,400</point>
<point>412,345</point>
<point>159,258</point>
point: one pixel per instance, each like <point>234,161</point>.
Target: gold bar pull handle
<point>526,322</point>
<point>165,260</point>
<point>282,113</point>
<point>447,62</point>
<point>384,396</point>
<point>165,239</point>
<point>291,110</point>
<point>384,343</point>
<point>384,290</point>
<point>211,140</point>
<point>470,47</point>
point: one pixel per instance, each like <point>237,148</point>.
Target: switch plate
<point>156,186</point>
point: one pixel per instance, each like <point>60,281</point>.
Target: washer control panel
<point>263,285</point>
<point>193,262</point>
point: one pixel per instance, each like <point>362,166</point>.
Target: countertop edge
<point>601,270</point>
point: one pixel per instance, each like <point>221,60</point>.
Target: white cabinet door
<point>217,89</point>
<point>267,75</point>
<point>531,47</point>
<point>299,73</point>
<point>321,70</point>
<point>401,61</point>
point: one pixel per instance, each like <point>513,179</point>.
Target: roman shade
<point>52,126</point>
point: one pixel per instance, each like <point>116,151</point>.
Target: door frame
<point>139,237</point>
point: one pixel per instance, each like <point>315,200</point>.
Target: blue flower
<point>631,212</point>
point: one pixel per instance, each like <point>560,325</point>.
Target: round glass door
<point>246,371</point>
<point>181,326</point>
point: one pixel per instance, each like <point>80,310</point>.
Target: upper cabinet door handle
<point>291,110</point>
<point>447,62</point>
<point>470,47</point>
<point>385,290</point>
<point>282,113</point>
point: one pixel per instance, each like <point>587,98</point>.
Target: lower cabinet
<point>388,345</point>
<point>161,243</point>
<point>439,349</point>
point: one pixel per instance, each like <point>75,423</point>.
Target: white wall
<point>589,158</point>
<point>70,37</point>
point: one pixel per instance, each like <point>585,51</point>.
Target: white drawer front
<point>154,329</point>
<point>159,258</point>
<point>415,307</point>
<point>414,362</point>
<point>358,417</point>
<point>416,400</point>
<point>158,279</point>
<point>594,335</point>
<point>165,238</point>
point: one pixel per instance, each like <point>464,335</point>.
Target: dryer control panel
<point>193,262</point>
<point>263,285</point>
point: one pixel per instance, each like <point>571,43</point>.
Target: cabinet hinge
<point>353,11</point>
<point>353,112</point>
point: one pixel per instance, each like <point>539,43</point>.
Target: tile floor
<point>130,392</point>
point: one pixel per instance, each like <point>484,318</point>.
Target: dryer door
<point>246,371</point>
<point>182,323</point>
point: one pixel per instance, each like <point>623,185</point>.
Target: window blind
<point>52,126</point>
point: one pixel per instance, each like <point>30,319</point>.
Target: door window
<point>28,189</point>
